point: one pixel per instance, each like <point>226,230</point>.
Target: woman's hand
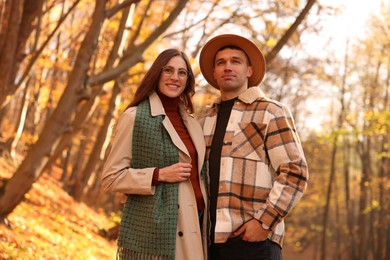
<point>177,172</point>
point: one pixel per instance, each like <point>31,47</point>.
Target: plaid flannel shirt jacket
<point>263,171</point>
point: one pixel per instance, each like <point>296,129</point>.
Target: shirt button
<point>180,234</point>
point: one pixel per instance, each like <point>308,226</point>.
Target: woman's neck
<point>169,104</point>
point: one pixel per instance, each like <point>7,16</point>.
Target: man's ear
<point>249,72</point>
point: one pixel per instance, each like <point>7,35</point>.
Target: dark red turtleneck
<point>171,107</point>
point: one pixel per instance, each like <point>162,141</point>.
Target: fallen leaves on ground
<point>49,224</point>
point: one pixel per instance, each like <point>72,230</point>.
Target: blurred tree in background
<point>68,68</point>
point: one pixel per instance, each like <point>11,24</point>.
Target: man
<point>256,164</point>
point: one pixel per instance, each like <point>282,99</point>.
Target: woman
<point>156,159</point>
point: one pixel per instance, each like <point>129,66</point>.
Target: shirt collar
<point>248,96</point>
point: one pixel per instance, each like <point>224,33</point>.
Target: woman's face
<point>173,77</point>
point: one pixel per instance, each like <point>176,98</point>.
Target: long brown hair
<point>150,81</point>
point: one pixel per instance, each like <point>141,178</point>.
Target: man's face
<point>231,71</point>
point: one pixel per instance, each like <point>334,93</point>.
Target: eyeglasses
<point>168,71</point>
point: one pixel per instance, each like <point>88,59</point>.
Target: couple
<point>215,190</point>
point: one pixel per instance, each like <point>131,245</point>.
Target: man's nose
<point>228,66</point>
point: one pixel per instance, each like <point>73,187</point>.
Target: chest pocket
<point>248,142</point>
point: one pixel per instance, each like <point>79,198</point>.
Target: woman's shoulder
<point>127,116</point>
<point>129,112</point>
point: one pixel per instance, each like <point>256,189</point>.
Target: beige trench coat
<point>191,243</point>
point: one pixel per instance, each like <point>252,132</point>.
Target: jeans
<point>238,249</point>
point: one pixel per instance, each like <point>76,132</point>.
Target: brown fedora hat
<point>207,55</point>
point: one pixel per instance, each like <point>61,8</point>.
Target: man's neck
<point>228,95</point>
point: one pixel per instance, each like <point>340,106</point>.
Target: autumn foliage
<point>49,224</point>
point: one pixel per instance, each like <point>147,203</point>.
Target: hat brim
<point>207,55</point>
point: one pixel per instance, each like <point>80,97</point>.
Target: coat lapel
<point>157,109</point>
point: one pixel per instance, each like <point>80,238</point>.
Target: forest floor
<point>49,224</point>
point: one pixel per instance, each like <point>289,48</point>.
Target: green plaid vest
<point>148,226</point>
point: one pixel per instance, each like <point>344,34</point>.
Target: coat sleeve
<point>118,176</point>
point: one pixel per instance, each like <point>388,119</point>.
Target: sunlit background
<point>68,69</point>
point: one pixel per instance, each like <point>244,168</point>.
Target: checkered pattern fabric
<point>263,171</point>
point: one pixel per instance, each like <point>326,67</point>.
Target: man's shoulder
<point>268,103</point>
<point>208,111</point>
<point>254,96</point>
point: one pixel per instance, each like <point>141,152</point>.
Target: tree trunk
<point>15,188</point>
<point>363,199</point>
<point>351,244</point>
<point>328,200</point>
<point>20,26</point>
<point>338,235</point>
<point>361,237</point>
<point>384,175</point>
<point>340,122</point>
<point>76,171</point>
<point>21,119</point>
<point>3,112</point>
<point>9,47</point>
<point>65,163</point>
<point>97,148</point>
<point>85,111</point>
<point>77,124</point>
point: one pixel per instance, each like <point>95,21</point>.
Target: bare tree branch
<point>271,55</point>
<point>135,54</point>
<point>111,12</point>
